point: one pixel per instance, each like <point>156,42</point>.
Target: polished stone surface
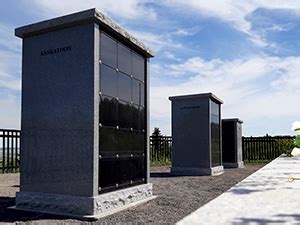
<point>232,151</point>
<point>192,142</point>
<point>59,105</point>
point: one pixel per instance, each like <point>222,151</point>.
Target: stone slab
<point>234,120</point>
<point>265,197</point>
<point>214,171</point>
<point>82,206</point>
<point>217,170</point>
<point>234,165</point>
<point>202,95</point>
<point>87,16</point>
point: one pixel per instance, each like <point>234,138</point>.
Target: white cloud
<point>253,89</point>
<point>156,42</point>
<point>7,39</point>
<point>10,112</point>
<point>187,31</point>
<point>10,55</point>
<point>170,55</point>
<point>236,12</point>
<point>281,27</point>
<point>10,82</point>
<point>231,11</point>
<point>123,11</point>
<point>129,9</point>
<point>9,76</point>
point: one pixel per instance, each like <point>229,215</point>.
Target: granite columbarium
<point>196,134</point>
<point>85,117</point>
<point>232,151</point>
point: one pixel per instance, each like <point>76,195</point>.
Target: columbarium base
<point>84,207</point>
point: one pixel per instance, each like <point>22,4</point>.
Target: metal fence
<point>267,147</point>
<point>160,148</point>
<point>254,148</point>
<point>9,150</point>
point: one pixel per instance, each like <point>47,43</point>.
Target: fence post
<point>160,148</point>
<point>10,150</point>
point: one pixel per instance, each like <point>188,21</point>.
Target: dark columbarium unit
<point>85,113</point>
<point>122,118</point>
<point>196,135</point>
<point>232,143</point>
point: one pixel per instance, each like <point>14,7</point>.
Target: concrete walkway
<point>265,197</point>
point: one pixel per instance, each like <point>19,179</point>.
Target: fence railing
<point>9,150</point>
<point>267,147</point>
<point>254,148</point>
<point>160,148</point>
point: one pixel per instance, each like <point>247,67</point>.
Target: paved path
<point>178,196</point>
<point>265,197</point>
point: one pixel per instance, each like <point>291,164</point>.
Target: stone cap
<point>87,16</point>
<point>233,120</point>
<point>203,95</point>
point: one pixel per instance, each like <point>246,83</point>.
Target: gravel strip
<point>178,196</point>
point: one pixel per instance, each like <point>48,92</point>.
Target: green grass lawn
<point>12,163</point>
<point>160,163</point>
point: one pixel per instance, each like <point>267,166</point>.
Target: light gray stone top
<point>265,197</point>
<point>91,15</point>
<point>233,119</point>
<point>203,95</point>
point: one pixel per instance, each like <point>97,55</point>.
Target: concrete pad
<point>265,197</point>
<point>183,171</point>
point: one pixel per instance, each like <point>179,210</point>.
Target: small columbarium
<point>232,152</point>
<point>196,135</point>
<point>85,112</point>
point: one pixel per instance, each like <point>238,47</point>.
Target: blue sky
<point>245,52</point>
